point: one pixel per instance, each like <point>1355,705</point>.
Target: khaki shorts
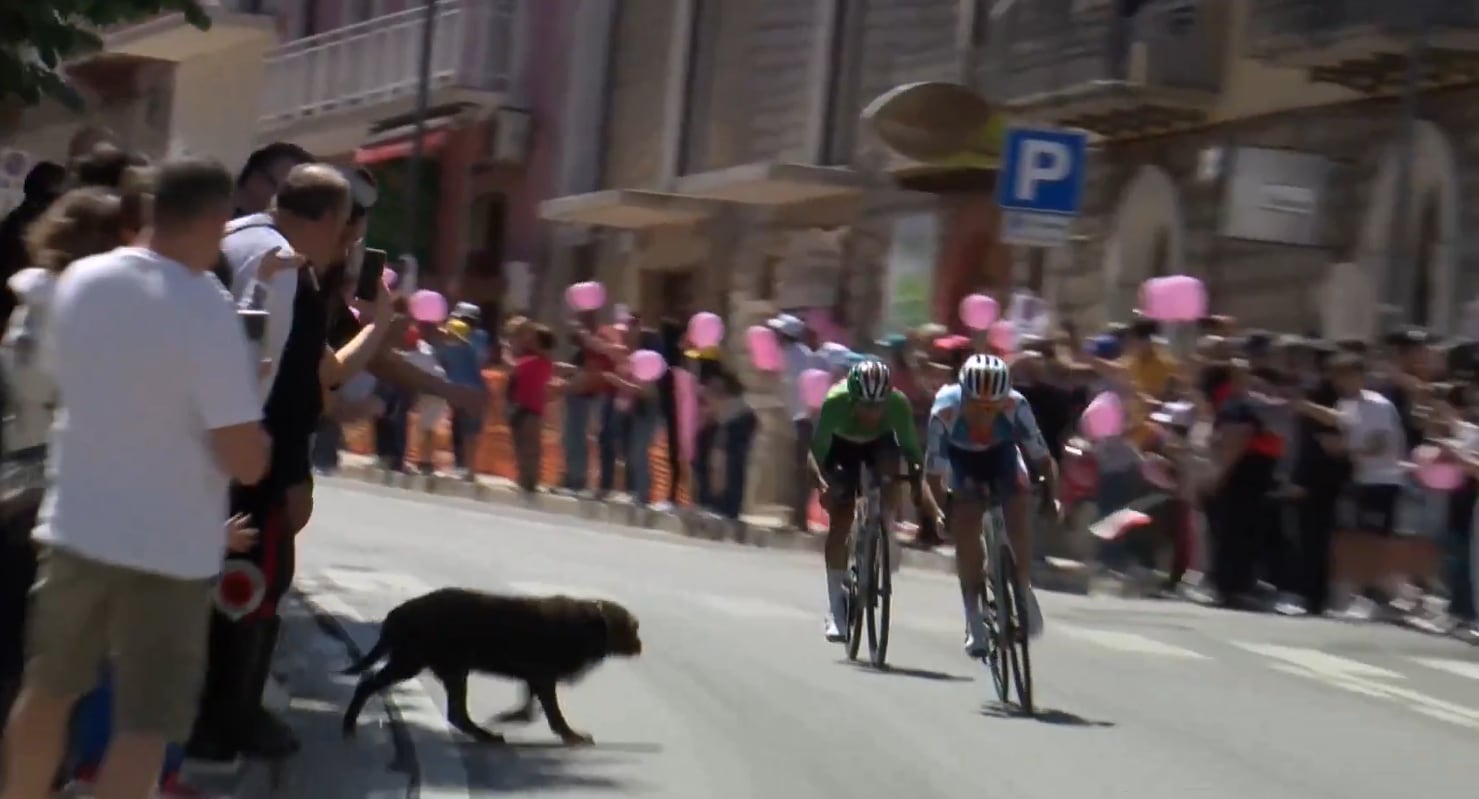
<point>152,629</point>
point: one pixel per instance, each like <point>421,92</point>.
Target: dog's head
<point>619,627</point>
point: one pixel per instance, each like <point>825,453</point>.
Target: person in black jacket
<point>43,185</point>
<point>1319,475</point>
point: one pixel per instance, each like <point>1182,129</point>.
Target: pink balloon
<point>1434,471</point>
<point>814,385</point>
<point>648,366</point>
<point>1178,298</point>
<point>586,296</point>
<point>1104,418</point>
<point>428,306</point>
<point>705,329</point>
<point>978,311</point>
<point>390,278</point>
<point>765,348</point>
<point>1003,336</point>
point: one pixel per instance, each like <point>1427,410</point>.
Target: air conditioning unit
<point>510,140</point>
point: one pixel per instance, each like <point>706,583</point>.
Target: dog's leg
<point>394,671</point>
<point>523,714</point>
<point>455,681</point>
<point>557,723</point>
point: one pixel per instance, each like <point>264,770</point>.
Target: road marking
<point>556,589</point>
<point>1125,642</point>
<point>1463,668</point>
<point>749,608</point>
<point>1361,678</point>
<point>391,585</point>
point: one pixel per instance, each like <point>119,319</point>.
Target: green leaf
<point>38,36</point>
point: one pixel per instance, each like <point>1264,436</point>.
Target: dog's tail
<point>376,653</point>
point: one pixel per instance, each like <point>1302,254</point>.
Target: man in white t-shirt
<point>1376,445</point>
<point>160,410</point>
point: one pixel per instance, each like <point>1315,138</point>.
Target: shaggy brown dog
<point>540,641</point>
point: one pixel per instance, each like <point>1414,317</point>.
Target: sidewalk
<point>764,531</point>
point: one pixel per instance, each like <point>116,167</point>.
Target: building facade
<point>733,174</point>
<point>340,77</point>
<point>1264,146</point>
<point>161,86</point>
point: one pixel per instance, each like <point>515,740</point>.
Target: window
<point>583,259</point>
<point>488,229</point>
<point>698,91</point>
<point>841,104</point>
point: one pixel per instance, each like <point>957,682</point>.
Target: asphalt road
<point>738,695</point>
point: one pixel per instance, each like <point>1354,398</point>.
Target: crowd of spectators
<point>176,439</point>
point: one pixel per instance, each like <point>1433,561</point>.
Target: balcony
<point>1364,44</point>
<point>366,72</point>
<point>1083,64</point>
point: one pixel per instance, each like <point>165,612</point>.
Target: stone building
<point>1259,144</point>
<point>729,171</point>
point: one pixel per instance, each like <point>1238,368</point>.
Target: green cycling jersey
<point>839,419</point>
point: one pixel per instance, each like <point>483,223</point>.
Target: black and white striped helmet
<point>869,381</point>
<point>986,376</point>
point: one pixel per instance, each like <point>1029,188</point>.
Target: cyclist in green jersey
<point>864,419</point>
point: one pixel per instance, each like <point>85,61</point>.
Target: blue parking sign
<point>1041,184</point>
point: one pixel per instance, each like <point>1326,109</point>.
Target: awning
<point>431,142</point>
<point>773,183</point>
<point>626,209</point>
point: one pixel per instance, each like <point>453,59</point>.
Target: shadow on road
<point>906,671</point>
<point>1056,718</point>
<point>549,766</point>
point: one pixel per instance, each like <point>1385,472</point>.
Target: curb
<point>1053,574</point>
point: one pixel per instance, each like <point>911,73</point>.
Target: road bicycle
<point>1003,598</point>
<point>870,572</point>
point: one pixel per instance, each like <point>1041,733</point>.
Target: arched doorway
<point>1429,287</point>
<point>1147,239</point>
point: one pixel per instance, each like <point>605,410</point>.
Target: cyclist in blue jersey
<point>979,431</point>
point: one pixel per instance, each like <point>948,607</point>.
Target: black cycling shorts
<point>999,470</point>
<point>844,465</point>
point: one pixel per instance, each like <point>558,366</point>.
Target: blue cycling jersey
<point>948,429</point>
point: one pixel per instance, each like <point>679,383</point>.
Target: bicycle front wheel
<point>880,584</point>
<point>1017,647</point>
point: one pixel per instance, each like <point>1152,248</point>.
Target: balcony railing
<point>1040,49</point>
<point>378,61</point>
<point>1363,44</point>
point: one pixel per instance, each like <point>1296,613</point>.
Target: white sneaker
<point>1289,605</point>
<point>977,637</point>
<point>835,627</point>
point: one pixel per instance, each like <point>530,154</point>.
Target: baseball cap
<point>787,325</point>
<point>466,310</point>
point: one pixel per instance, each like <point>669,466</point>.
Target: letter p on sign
<point>1042,162</point>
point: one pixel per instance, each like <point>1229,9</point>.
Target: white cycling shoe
<point>835,626</point>
<point>978,638</point>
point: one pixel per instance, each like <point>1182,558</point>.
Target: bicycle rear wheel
<point>1016,640</point>
<point>880,589</point>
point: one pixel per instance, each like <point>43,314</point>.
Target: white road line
<point>1464,668</point>
<point>1125,642</point>
<point>749,608</point>
<point>386,584</point>
<point>557,589</point>
<point>1362,678</point>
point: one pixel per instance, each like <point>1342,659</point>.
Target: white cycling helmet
<point>986,376</point>
<point>869,381</point>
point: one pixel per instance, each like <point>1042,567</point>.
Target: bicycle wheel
<point>857,583</point>
<point>1017,639</point>
<point>880,585</point>
<point>995,658</point>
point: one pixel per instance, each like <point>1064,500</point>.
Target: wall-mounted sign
<point>1275,196</point>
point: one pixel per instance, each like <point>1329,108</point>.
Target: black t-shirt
<point>295,403</point>
<point>1315,469</point>
<point>1253,472</point>
<point>1053,407</point>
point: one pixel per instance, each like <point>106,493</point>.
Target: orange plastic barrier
<point>495,454</point>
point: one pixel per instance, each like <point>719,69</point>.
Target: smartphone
<point>371,273</point>
<point>255,322</point>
